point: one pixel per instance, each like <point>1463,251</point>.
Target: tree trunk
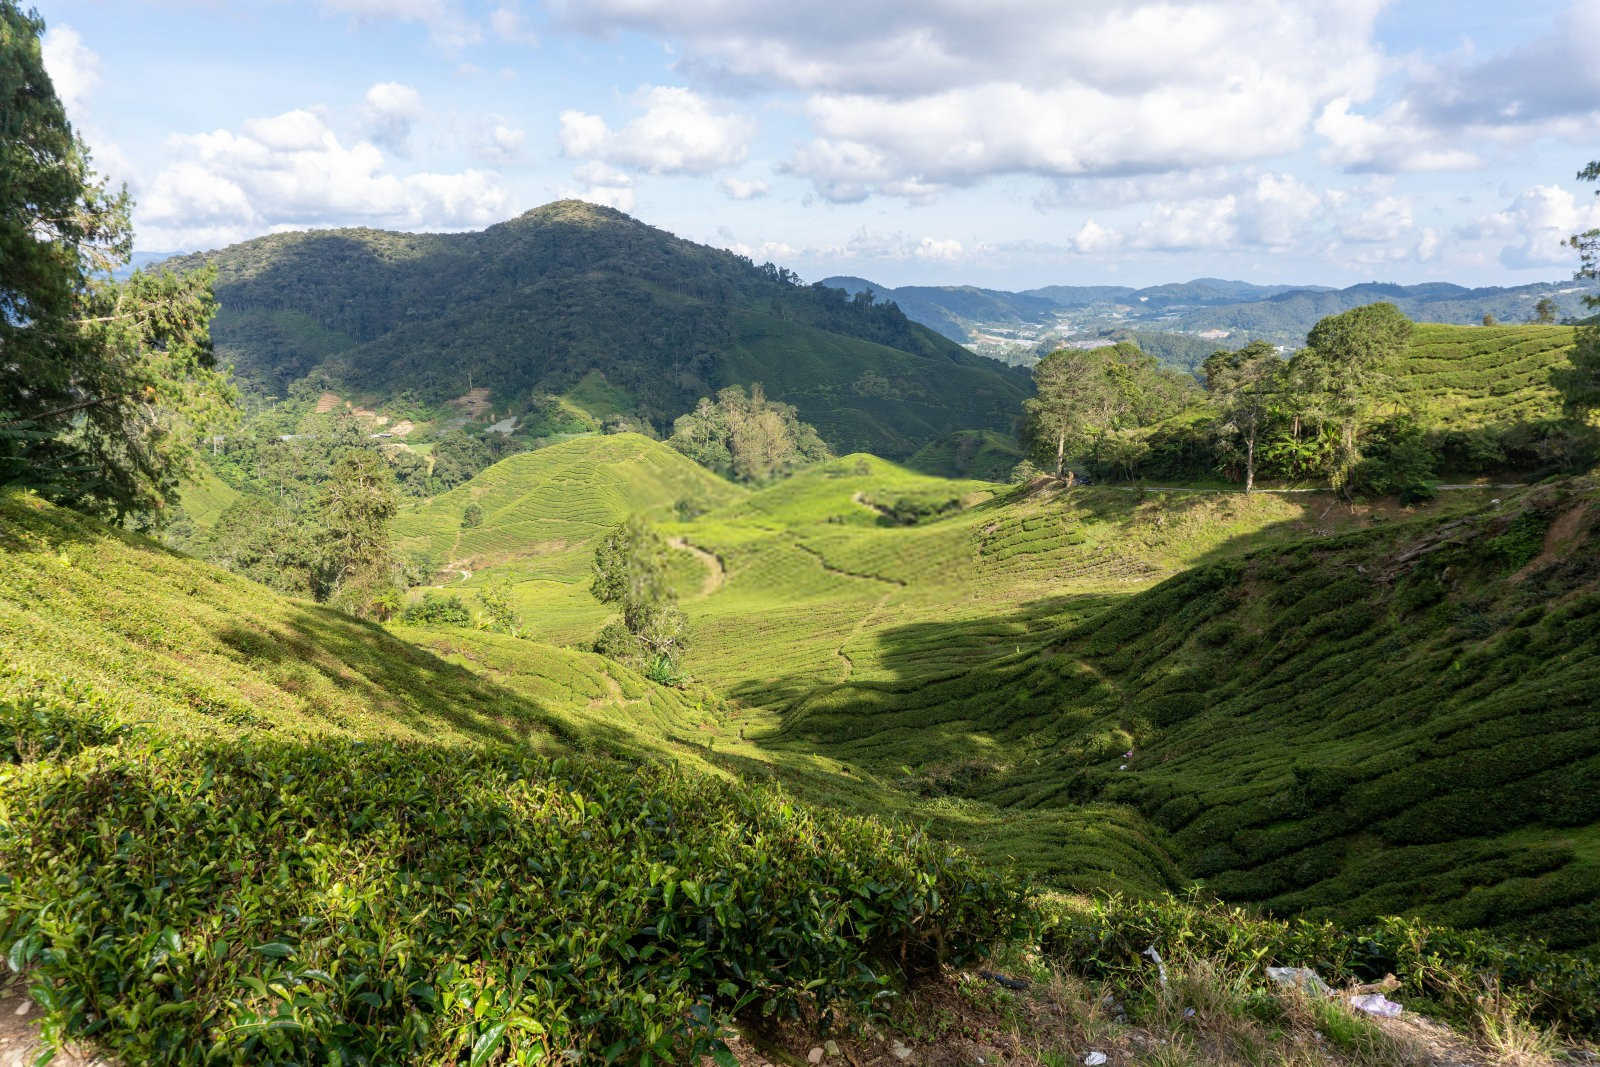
<point>1061,450</point>
<point>1249,464</point>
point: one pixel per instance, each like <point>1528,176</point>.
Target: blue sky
<point>1007,143</point>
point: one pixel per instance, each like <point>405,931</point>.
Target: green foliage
<point>571,297</point>
<point>1439,968</point>
<point>1397,460</point>
<point>747,438</point>
<point>356,554</point>
<point>1580,385</point>
<point>1084,396</point>
<point>407,903</point>
<point>471,516</point>
<point>106,386</point>
<point>1244,385</point>
<point>437,609</point>
<point>630,571</point>
<point>499,615</point>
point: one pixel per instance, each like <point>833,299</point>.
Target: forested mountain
<point>1215,313</point>
<point>534,304</point>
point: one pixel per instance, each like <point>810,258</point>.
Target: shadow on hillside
<point>968,690</point>
<point>409,685</point>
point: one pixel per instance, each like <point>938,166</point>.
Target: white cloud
<point>501,142</point>
<point>449,27</point>
<point>742,189</point>
<point>678,132</point>
<point>509,25</point>
<point>392,111</point>
<point>1549,86</point>
<point>602,184</point>
<point>1536,226</point>
<point>74,69</point>
<point>905,99</point>
<point>1382,219</point>
<point>292,171</point>
<point>1395,140</point>
<point>1094,239</point>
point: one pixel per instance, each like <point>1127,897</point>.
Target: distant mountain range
<point>1017,327</point>
<point>546,300</point>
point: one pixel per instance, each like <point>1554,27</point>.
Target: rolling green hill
<point>240,828</point>
<point>537,303</point>
<point>1305,702</point>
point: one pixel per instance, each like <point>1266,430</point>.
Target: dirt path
<point>716,573</point>
<point>19,1033</point>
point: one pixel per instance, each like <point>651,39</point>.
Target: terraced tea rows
<point>1466,376</point>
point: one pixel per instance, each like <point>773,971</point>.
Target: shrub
<point>437,609</point>
<point>255,902</point>
<point>471,516</point>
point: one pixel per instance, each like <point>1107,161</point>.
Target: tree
<point>749,437</point>
<point>1544,311</point>
<point>1345,364</point>
<point>1488,319</point>
<point>1075,401</point>
<point>357,555</point>
<point>498,613</point>
<point>105,387</point>
<point>1580,383</point>
<point>630,571</point>
<point>1244,386</point>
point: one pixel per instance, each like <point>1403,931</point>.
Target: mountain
<point>538,303</point>
<point>1183,322</point>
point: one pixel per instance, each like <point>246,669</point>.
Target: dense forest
<point>536,304</point>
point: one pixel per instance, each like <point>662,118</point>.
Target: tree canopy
<point>630,571</point>
<point>105,387</point>
<point>1244,385</point>
<point>1580,386</point>
<point>747,437</point>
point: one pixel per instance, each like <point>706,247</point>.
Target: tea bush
<point>366,903</point>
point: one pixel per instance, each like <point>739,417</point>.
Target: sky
<point>1002,143</point>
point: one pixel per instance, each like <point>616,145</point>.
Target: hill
<point>1205,312</point>
<point>981,656</point>
<point>1464,376</point>
<point>1398,719</point>
<point>291,837</point>
<point>536,304</point>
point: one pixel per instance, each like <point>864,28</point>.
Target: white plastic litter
<point>1376,1004</point>
<point>1161,968</point>
<point>1299,977</point>
<point>1094,1059</point>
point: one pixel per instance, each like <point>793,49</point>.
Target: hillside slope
<point>540,301</point>
<point>1397,720</point>
<point>238,828</point>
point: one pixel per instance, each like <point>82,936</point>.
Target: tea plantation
<point>238,828</point>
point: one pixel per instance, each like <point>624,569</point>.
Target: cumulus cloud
<point>501,141</point>
<point>447,24</point>
<point>392,111</point>
<point>1547,86</point>
<point>676,132</point>
<point>904,100</point>
<point>1536,226</point>
<point>742,189</point>
<point>74,69</point>
<point>292,171</point>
